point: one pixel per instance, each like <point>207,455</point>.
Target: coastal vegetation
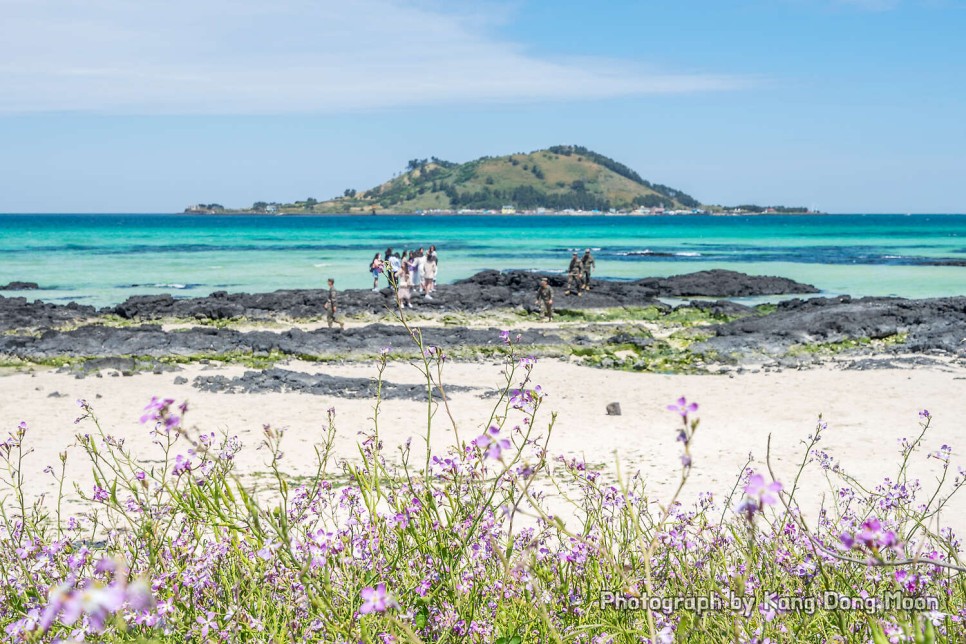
<point>492,539</point>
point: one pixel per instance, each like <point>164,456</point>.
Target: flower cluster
<point>491,540</point>
<point>871,537</point>
<point>159,412</point>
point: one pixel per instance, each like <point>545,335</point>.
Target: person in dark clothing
<point>545,297</point>
<point>575,274</point>
<point>330,307</point>
<point>587,265</point>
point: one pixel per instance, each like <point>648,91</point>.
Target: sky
<point>153,105</point>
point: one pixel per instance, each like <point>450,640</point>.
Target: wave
<point>170,285</point>
<point>644,253</point>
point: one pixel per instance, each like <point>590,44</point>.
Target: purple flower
<point>18,630</point>
<point>100,494</point>
<point>207,623</point>
<point>139,595</point>
<point>526,399</point>
<point>872,536</point>
<point>924,414</point>
<point>505,336</point>
<point>683,407</point>
<point>495,451</point>
<point>97,602</point>
<point>767,494</point>
<point>375,600</point>
<point>158,411</point>
<point>492,443</point>
<point>758,495</point>
<point>181,465</point>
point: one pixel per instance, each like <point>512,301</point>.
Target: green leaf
<point>422,617</point>
<point>878,635</point>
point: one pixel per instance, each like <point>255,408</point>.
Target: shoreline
<point>410,214</point>
<point>868,413</point>
<point>617,325</point>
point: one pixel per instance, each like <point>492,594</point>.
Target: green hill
<point>558,178</point>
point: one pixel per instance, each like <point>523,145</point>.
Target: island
<point>562,179</point>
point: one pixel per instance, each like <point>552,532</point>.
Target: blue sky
<point>148,106</point>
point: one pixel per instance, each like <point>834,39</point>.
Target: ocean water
<point>103,259</point>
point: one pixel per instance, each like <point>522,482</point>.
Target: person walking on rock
<point>587,265</point>
<point>375,268</point>
<point>330,307</point>
<point>404,292</point>
<point>392,273</point>
<point>545,297</point>
<point>429,275</point>
<point>575,274</point>
<point>416,264</point>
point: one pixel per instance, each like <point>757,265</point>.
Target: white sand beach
<point>868,412</point>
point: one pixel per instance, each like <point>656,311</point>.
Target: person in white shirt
<point>418,263</point>
<point>429,276</point>
<point>395,266</point>
<point>404,292</point>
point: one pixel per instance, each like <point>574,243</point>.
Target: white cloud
<point>258,56</point>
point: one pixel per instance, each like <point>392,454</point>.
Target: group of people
<point>413,270</point>
<point>578,274</point>
<point>416,270</point>
<point>578,280</point>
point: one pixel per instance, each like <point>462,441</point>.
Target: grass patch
<point>850,344</point>
<point>663,356</point>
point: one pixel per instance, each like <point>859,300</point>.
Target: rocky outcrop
<point>18,313</point>
<point>20,286</point>
<point>484,291</point>
<point>151,340</point>
<point>933,325</point>
<point>721,283</point>
<point>283,380</point>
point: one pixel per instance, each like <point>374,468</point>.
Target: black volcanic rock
<point>20,286</point>
<point>495,289</point>
<point>720,308</point>
<point>722,283</point>
<point>484,291</point>
<point>284,380</point>
<point>18,313</point>
<point>151,340</point>
<point>933,325</point>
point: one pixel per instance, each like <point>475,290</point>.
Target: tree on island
<point>415,164</point>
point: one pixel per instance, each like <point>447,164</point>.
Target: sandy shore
<point>868,412</point>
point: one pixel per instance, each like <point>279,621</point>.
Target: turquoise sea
<point>103,259</point>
